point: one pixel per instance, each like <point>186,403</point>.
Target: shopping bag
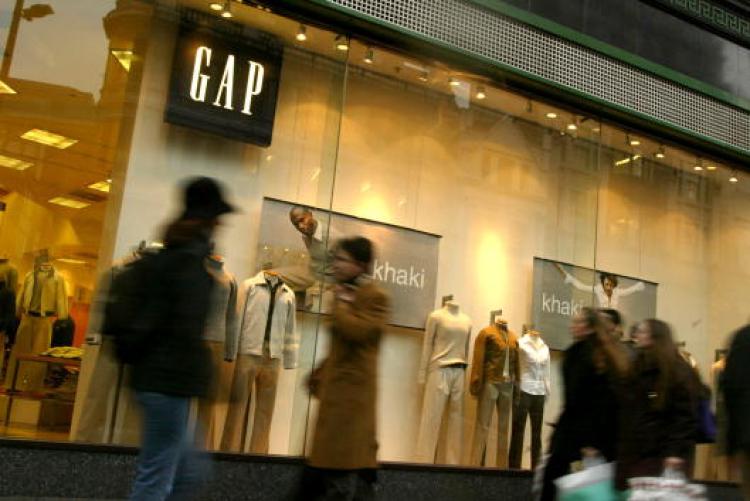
<point>594,483</point>
<point>672,486</point>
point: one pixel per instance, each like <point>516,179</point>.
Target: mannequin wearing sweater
<point>442,371</point>
<point>494,373</point>
<point>42,298</point>
<point>530,397</point>
<point>220,335</point>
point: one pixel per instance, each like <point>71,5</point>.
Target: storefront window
<point>496,216</point>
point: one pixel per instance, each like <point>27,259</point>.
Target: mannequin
<point>8,286</point>
<point>220,336</point>
<point>533,390</point>
<point>105,409</point>
<point>442,371</point>
<point>42,298</point>
<point>494,374</point>
<point>267,334</point>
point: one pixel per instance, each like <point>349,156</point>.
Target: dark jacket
<point>650,433</point>
<point>589,416</point>
<point>175,359</point>
<point>735,384</point>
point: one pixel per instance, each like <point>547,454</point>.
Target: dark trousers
<point>319,484</point>
<point>533,407</point>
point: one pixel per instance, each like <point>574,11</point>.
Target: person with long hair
<point>593,368</point>
<point>658,410</point>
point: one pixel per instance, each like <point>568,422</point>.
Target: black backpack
<point>133,305</point>
<point>63,331</point>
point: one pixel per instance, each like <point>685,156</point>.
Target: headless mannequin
<point>530,396</point>
<point>443,371</point>
<point>494,374</point>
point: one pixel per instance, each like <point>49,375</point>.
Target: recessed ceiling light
<point>124,57</point>
<point>6,89</point>
<point>301,33</point>
<point>627,160</point>
<point>14,163</point>
<point>216,5</point>
<point>227,14</point>
<point>369,56</point>
<point>342,43</point>
<point>453,82</point>
<point>659,155</point>
<point>424,76</point>
<point>572,127</point>
<point>551,115</point>
<point>635,142</point>
<point>102,186</point>
<point>70,203</point>
<point>710,167</point>
<point>48,138</point>
<point>480,93</point>
<point>698,168</point>
<point>734,178</point>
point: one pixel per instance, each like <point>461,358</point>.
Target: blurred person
<point>735,383</point>
<point>342,463</point>
<point>593,368</point>
<point>658,408</point>
<point>615,324</point>
<point>173,362</point>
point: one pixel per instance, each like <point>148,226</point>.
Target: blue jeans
<point>168,466</point>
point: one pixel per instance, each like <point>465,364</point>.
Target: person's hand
<point>673,463</point>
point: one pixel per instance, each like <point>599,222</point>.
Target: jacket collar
<point>260,279</point>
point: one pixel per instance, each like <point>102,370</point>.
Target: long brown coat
<point>346,384</point>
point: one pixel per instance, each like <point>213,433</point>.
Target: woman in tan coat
<point>344,448</point>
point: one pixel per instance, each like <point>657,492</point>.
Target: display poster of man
<point>296,243</point>
<point>561,290</point>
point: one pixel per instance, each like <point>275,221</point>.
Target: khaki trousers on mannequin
<point>445,386</point>
<point>494,396</point>
<point>34,336</point>
<point>263,373</point>
<point>207,405</point>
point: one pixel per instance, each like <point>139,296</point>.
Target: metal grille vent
<point>496,37</point>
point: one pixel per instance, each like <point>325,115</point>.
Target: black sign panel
<point>225,85</point>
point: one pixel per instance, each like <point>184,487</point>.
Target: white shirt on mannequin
<point>535,365</point>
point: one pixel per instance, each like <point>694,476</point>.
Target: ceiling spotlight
<point>635,142</point>
<point>424,76</point>
<point>551,115</point>
<point>301,33</point>
<point>711,167</point>
<point>734,178</point>
<point>227,14</point>
<point>572,127</point>
<point>453,82</point>
<point>369,56</point>
<point>660,154</point>
<point>342,43</point>
<point>480,93</point>
<point>698,168</point>
<point>216,6</point>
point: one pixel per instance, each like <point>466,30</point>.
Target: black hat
<point>203,199</point>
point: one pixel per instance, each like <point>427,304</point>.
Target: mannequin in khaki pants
<point>494,372</point>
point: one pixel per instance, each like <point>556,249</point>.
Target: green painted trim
<point>713,15</point>
<point>625,56</point>
<point>510,69</point>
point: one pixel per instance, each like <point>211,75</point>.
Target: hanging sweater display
<point>220,336</point>
<point>267,337</point>
<point>442,370</point>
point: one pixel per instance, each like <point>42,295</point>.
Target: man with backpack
<point>156,312</point>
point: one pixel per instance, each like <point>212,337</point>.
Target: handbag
<point>706,423</point>
<point>594,483</point>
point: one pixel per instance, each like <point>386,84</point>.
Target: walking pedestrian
<point>735,383</point>
<point>342,464</point>
<point>173,363</point>
<point>593,368</point>
<point>658,408</point>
